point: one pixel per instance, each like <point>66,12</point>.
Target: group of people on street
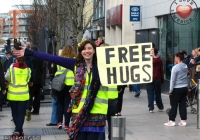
<point>84,102</point>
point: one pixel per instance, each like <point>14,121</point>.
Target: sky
<point>7,4</point>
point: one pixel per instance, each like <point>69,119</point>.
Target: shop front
<point>174,37</point>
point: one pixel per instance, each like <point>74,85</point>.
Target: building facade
<point>118,29</point>
<point>157,25</point>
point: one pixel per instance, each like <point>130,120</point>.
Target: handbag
<point>58,81</point>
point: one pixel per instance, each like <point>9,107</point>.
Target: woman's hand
<point>120,91</point>
<point>3,92</point>
<point>19,53</point>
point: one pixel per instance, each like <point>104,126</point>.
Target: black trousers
<point>35,92</point>
<point>87,136</point>
<point>120,100</point>
<point>178,98</point>
<point>112,106</point>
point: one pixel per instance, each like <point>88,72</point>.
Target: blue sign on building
<point>135,13</point>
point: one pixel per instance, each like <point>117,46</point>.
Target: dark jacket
<point>158,69</point>
<point>187,60</point>
<point>29,63</point>
<point>38,71</point>
<point>2,79</point>
<point>10,61</point>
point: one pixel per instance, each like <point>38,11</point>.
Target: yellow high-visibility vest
<point>69,79</point>
<point>101,101</point>
<point>112,92</point>
<point>18,87</point>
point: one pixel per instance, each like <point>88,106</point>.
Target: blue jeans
<point>154,95</point>
<point>136,88</point>
<point>154,87</point>
<point>54,119</point>
<point>18,113</point>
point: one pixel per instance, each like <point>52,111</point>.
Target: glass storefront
<point>174,37</point>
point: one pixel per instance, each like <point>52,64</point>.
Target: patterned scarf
<point>76,94</point>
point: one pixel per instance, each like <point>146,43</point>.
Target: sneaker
<point>170,123</point>
<point>21,136</point>
<point>15,136</point>
<point>151,111</point>
<point>137,95</point>
<point>66,128</point>
<point>59,125</point>
<point>28,115</point>
<point>154,102</point>
<point>160,110</point>
<point>182,123</point>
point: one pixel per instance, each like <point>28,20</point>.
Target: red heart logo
<point>184,11</point>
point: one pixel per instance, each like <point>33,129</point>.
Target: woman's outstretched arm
<point>65,62</point>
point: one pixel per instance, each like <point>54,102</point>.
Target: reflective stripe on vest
<point>112,92</point>
<point>96,101</point>
<point>69,78</point>
<point>18,87</point>
<point>11,92</point>
<point>101,102</point>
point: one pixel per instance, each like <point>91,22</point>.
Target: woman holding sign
<point>89,100</point>
<point>155,86</point>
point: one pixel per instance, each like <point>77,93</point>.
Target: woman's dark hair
<point>180,55</point>
<point>21,61</point>
<point>153,45</point>
<point>155,51</point>
<point>79,57</point>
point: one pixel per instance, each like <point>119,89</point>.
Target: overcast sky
<point>6,5</point>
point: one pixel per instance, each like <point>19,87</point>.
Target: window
<point>174,37</point>
<point>100,10</point>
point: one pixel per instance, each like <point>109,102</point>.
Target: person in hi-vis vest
<point>63,97</point>
<point>89,104</point>
<point>112,93</point>
<point>18,76</point>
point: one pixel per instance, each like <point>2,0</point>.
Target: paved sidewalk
<point>140,124</point>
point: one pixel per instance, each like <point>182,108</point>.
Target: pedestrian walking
<point>2,86</point>
<point>89,99</point>
<point>63,97</point>
<point>18,76</point>
<point>54,118</point>
<point>39,68</point>
<point>155,86</point>
<point>29,63</point>
<point>178,91</point>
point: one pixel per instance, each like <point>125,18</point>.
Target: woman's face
<point>193,53</point>
<point>88,52</point>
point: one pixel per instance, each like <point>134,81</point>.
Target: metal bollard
<point>198,105</point>
<point>118,128</point>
